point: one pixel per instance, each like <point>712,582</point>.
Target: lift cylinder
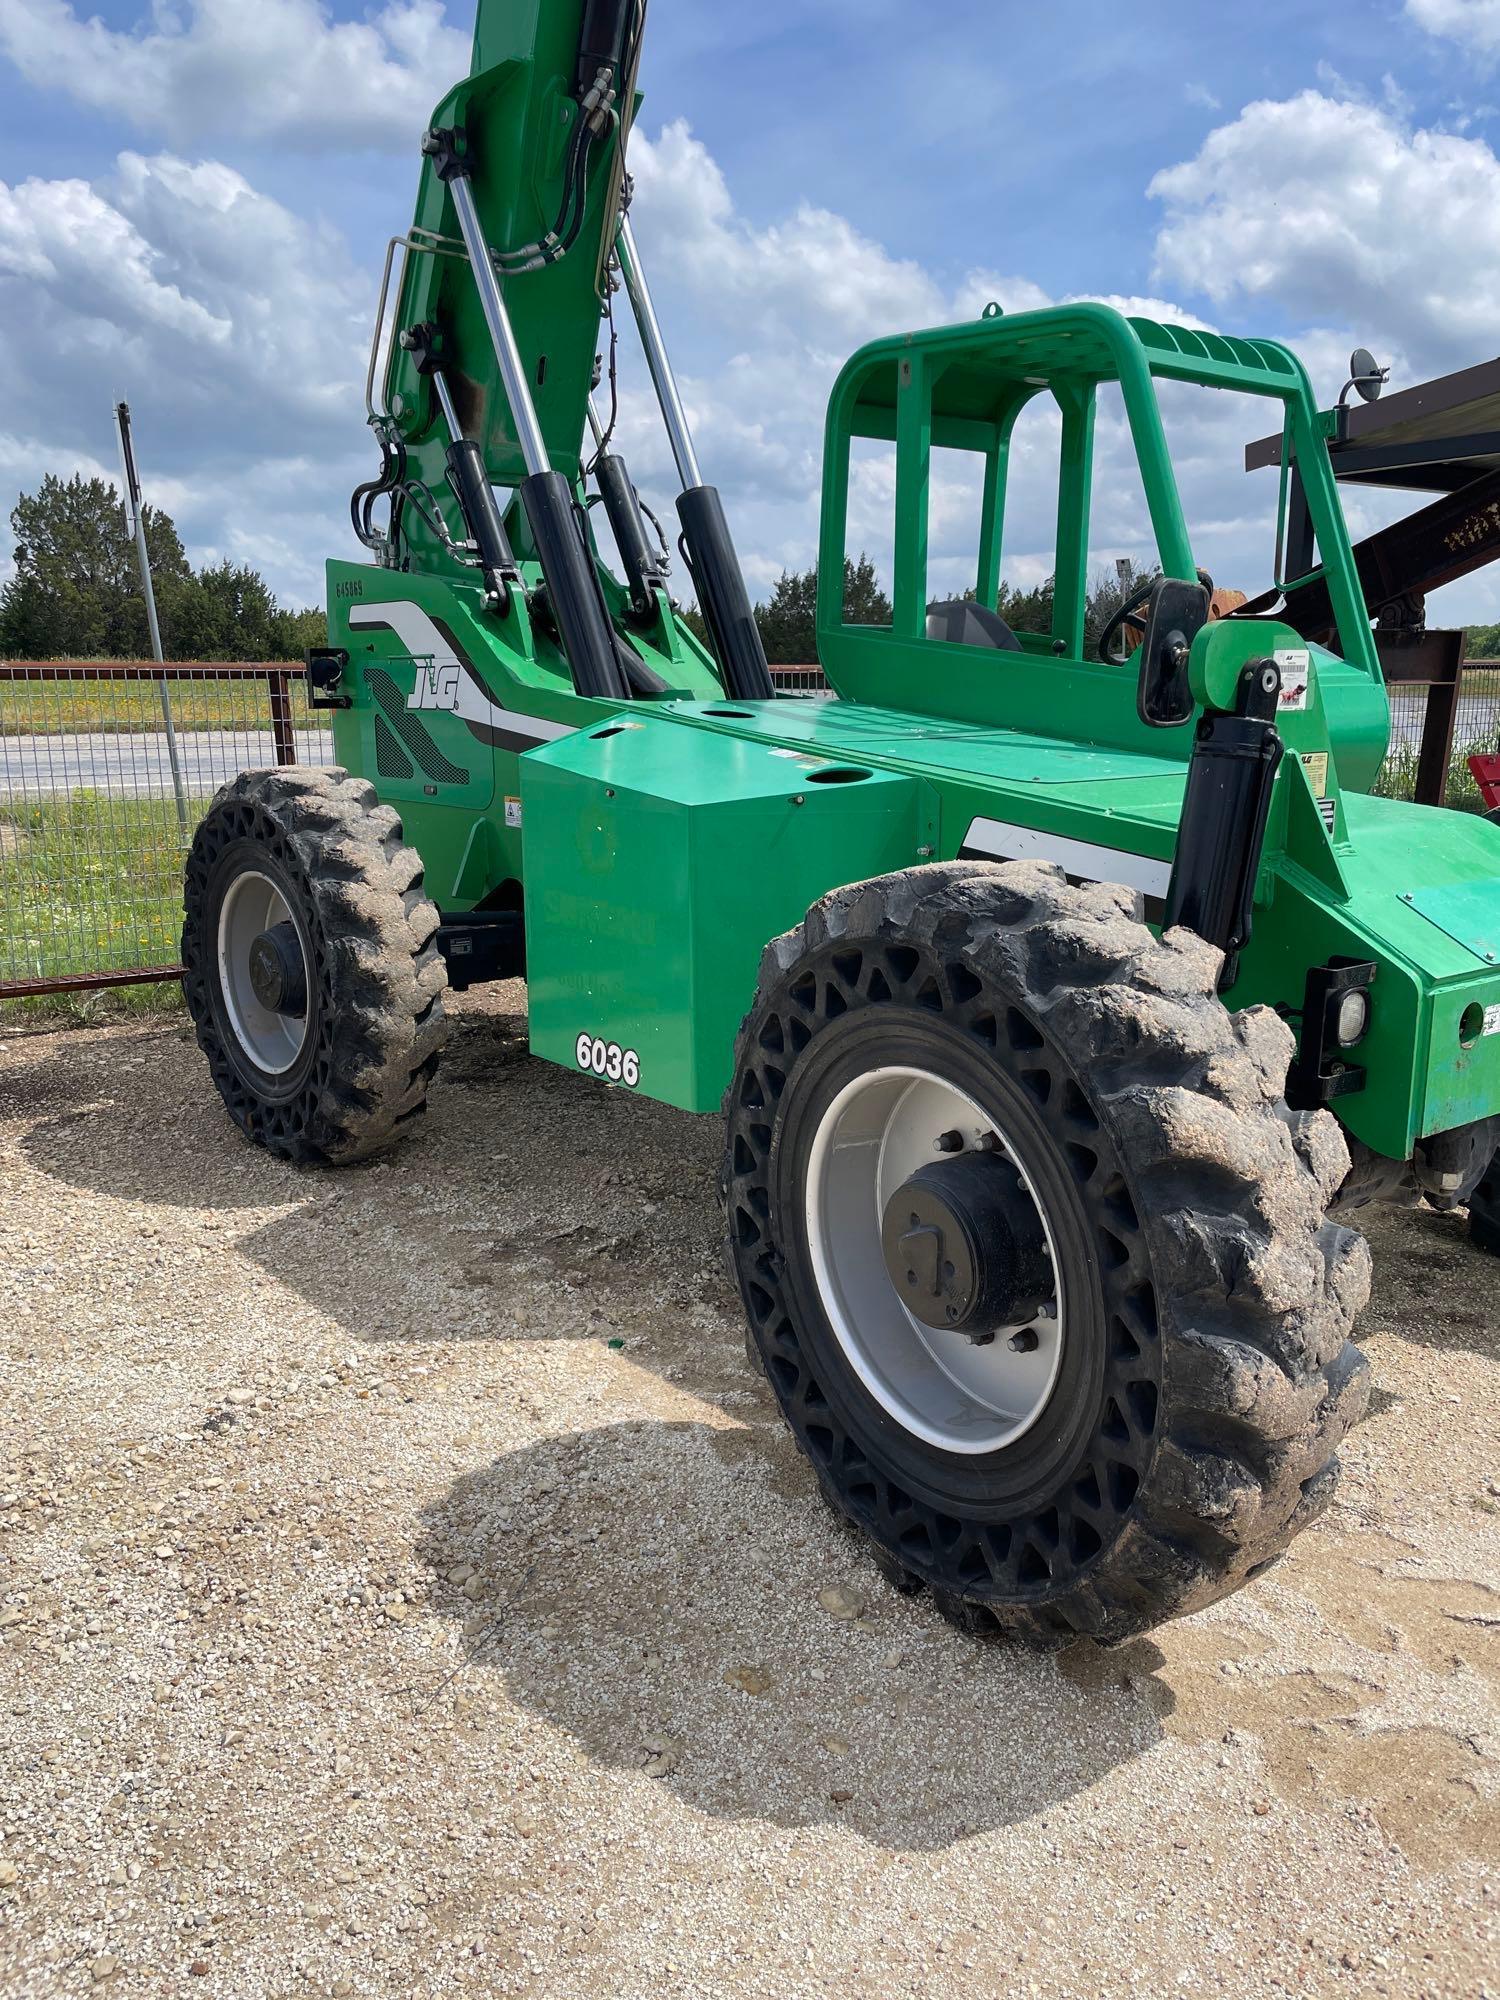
<point>476,497</point>
<point>573,590</point>
<point>642,570</point>
<point>722,596</point>
<point>1231,775</point>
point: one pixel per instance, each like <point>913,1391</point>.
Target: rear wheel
<point>1484,1211</point>
<point>1040,1275</point>
<point>311,968</point>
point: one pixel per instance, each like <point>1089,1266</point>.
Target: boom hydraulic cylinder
<point>640,562</point>
<point>705,532</point>
<point>476,498</point>
<point>573,592</point>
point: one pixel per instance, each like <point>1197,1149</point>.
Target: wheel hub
<point>965,1249</point>
<point>263,959</point>
<point>906,1174</point>
<point>278,976</point>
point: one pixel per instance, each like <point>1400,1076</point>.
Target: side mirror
<point>1176,613</point>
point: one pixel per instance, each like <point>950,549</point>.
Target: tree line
<point>788,619</point>
<point>75,594</point>
<point>76,589</point>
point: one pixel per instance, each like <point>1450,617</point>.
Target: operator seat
<point>965,623</point>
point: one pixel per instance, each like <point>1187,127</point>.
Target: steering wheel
<point>1117,623</point>
<point>1122,617</point>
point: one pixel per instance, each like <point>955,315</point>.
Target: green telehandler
<point>1058,1007</point>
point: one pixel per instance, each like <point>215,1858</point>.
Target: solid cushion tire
<point>1197,1431</point>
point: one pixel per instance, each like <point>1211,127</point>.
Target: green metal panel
<point>1319,895</point>
<point>1467,912</point>
<point>659,861</point>
<point>401,628</point>
<point>518,111</point>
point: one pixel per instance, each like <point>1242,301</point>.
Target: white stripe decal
<point>423,640</point>
<point>1075,857</point>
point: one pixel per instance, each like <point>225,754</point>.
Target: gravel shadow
<point>648,1589</point>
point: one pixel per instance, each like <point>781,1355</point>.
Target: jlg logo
<point>436,687</point>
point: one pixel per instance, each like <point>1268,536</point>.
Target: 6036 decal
<point>607,1059</point>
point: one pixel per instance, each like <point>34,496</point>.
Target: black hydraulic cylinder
<point>602,39</point>
<point>722,597</point>
<point>481,512</point>
<point>642,570</point>
<point>583,623</point>
<point>1231,775</point>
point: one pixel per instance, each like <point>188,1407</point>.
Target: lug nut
<point>949,1142</point>
<point>1024,1341</point>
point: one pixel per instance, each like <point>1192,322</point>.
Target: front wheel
<point>1042,1279</point>
<point>310,964</point>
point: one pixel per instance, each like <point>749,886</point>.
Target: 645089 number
<point>608,1059</point>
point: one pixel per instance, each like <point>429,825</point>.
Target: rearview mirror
<point>1176,613</point>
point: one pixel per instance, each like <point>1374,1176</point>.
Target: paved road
<point>136,766</point>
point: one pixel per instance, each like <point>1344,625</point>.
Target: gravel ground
<point>407,1590</point>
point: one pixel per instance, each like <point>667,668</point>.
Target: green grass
<point>94,884</point>
<point>53,708</point>
<point>1398,775</point>
<point>90,884</point>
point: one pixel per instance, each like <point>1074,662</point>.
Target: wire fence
<point>101,790</point>
<point>99,799</point>
<point>1476,732</point>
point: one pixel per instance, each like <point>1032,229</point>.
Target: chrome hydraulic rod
<point>712,562</point>
<point>445,401</point>
<point>573,591</point>
<point>507,354</point>
<point>672,412</point>
<point>476,499</point>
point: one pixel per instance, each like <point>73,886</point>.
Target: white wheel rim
<point>253,904</point>
<point>941,1386</point>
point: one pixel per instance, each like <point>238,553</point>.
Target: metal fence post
<point>135,513</point>
<point>282,735</point>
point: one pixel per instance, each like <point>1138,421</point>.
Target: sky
<point>195,197</point>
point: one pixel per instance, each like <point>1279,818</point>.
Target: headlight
<point>1351,1018</point>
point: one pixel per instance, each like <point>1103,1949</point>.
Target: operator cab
<point>931,427</point>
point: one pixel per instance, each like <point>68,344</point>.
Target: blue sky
<point>194,199</point>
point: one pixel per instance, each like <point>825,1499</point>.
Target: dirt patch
<point>406,1588</point>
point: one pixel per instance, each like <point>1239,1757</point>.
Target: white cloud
<point>271,69</point>
<point>238,331</point>
<point>810,276</point>
<point>1340,215</point>
<point>234,328</point>
<point>185,279</point>
<point>1473,24</point>
<point>796,296</point>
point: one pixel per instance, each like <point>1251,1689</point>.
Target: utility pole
<point>135,517</point>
